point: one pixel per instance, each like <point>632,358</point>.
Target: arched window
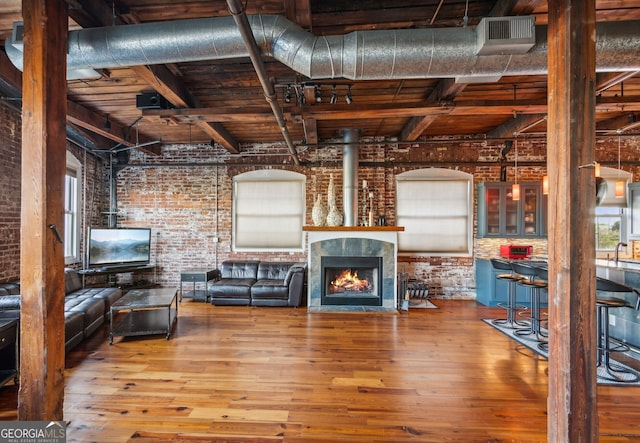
<point>435,206</point>
<point>268,211</point>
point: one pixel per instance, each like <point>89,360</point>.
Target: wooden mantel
<point>354,228</point>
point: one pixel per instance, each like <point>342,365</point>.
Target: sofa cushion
<point>73,329</point>
<point>72,281</point>
<point>273,270</point>
<point>237,269</point>
<point>92,308</point>
<point>270,289</point>
<point>232,288</point>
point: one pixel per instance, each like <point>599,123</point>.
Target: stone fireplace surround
<point>357,241</point>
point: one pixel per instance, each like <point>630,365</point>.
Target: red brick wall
<point>93,184</point>
<point>184,195</point>
<point>10,142</point>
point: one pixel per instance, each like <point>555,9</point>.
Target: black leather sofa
<point>259,283</point>
<point>85,309</point>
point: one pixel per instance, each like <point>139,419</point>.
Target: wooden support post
<point>42,214</point>
<point>572,406</point>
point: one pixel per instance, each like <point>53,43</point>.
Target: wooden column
<point>572,407</point>
<point>41,251</point>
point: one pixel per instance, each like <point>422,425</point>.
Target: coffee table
<point>151,311</point>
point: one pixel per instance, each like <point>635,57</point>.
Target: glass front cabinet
<point>499,215</point>
<point>634,210</point>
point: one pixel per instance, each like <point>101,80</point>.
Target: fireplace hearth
<point>353,281</point>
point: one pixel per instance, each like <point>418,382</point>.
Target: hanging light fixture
<point>334,96</point>
<point>620,184</point>
<point>545,185</point>
<point>515,188</point>
<point>348,97</point>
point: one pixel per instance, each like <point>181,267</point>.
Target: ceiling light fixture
<point>287,95</point>
<point>334,96</point>
<point>107,123</point>
<point>348,97</point>
<point>318,95</point>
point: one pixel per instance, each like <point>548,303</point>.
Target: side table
<point>8,351</point>
<point>195,276</point>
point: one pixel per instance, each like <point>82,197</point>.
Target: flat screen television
<point>119,247</point>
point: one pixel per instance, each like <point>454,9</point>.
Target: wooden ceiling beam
<point>446,89</point>
<point>158,77</point>
<point>91,121</point>
<point>299,12</point>
<point>620,124</point>
<point>352,112</point>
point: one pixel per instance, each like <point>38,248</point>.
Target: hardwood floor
<point>241,374</point>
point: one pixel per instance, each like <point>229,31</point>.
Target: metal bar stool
<point>511,306</point>
<point>543,275</point>
<point>530,281</point>
<point>605,345</point>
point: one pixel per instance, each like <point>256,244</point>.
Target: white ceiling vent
<point>505,35</point>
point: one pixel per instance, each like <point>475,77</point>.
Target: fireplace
<point>353,281</point>
<point>369,251</point>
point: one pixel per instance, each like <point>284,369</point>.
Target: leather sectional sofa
<point>85,309</point>
<point>259,283</point>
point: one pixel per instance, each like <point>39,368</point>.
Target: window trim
<point>73,165</point>
<point>442,174</point>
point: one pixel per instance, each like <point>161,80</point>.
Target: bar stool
<point>533,286</point>
<point>543,274</point>
<point>605,346</point>
<point>510,307</point>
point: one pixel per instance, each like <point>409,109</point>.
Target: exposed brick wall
<point>10,151</point>
<point>185,195</point>
<point>93,185</point>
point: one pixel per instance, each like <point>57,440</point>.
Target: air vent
<point>505,35</point>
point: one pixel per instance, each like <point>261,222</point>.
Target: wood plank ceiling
<point>223,101</point>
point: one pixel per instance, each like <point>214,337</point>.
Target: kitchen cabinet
<point>501,216</point>
<point>634,210</point>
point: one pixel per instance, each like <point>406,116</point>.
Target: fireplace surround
<point>353,247</point>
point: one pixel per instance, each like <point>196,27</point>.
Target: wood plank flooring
<point>242,374</point>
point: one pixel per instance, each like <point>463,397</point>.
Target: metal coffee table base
<point>151,312</point>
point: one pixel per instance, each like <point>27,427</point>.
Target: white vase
<point>319,212</point>
<point>334,217</point>
<point>331,193</point>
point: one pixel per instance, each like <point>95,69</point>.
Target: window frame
<point>441,175</point>
<point>73,170</point>
<point>298,186</point>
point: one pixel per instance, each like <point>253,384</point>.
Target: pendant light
<point>515,188</point>
<point>545,185</point>
<point>620,184</point>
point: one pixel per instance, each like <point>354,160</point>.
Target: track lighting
<point>347,97</point>
<point>287,95</point>
<point>334,96</point>
<point>318,96</point>
<point>107,123</point>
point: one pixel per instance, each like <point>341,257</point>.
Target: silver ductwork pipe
<point>359,55</point>
<point>350,157</point>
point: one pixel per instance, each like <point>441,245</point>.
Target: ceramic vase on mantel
<point>319,212</point>
<point>334,218</point>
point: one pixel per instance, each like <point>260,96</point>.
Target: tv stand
<point>113,270</point>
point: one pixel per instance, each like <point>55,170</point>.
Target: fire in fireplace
<point>351,280</point>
